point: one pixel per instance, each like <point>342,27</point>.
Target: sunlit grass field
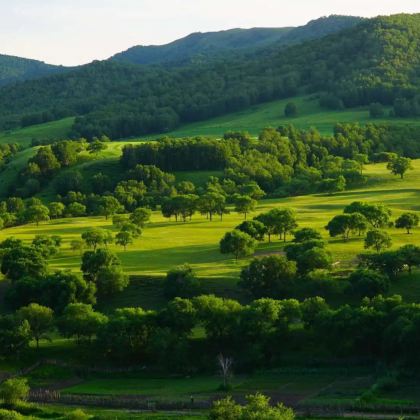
<point>167,244</point>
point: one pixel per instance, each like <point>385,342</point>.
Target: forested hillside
<point>200,48</point>
<point>14,69</point>
<point>375,61</point>
<point>198,43</point>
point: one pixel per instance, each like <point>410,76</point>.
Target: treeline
<point>45,117</point>
<point>121,100</point>
<point>283,162</point>
<point>258,335</point>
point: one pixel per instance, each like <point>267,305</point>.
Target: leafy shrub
<point>76,415</point>
<point>14,390</point>
<point>10,415</point>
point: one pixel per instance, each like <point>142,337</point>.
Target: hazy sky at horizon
<point>72,32</point>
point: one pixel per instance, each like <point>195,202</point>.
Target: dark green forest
<point>201,48</point>
<point>15,69</point>
<point>119,100</point>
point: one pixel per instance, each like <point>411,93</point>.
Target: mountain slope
<point>199,48</point>
<point>199,43</point>
<point>14,69</point>
<point>377,60</point>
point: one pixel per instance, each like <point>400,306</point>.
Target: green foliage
<point>23,261</point>
<point>368,283</point>
<point>306,234</point>
<point>376,110</point>
<point>310,309</point>
<point>76,415</point>
<point>237,243</point>
<point>124,238</point>
<point>378,239</point>
<point>290,110</point>
<point>14,390</point>
<point>93,262</point>
<point>254,229</point>
<point>10,415</point>
<point>112,280</point>
<point>141,217</point>
<point>314,259</point>
<point>94,237</point>
<point>245,205</point>
<point>257,408</point>
<point>96,147</point>
<point>271,276</point>
<point>80,321</point>
<point>39,318</point>
<point>331,185</point>
<point>407,221</point>
<point>377,214</point>
<point>181,283</point>
<point>400,166</point>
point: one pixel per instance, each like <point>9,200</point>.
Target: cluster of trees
<point>243,241</point>
<point>45,117</point>
<point>15,212</point>
<point>303,268</point>
<point>7,151</point>
<point>256,335</point>
<point>26,267</point>
<point>47,162</point>
<point>361,216</point>
<point>285,162</point>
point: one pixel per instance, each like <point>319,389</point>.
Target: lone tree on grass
<point>94,237</point>
<point>78,245</point>
<point>124,238</point>
<point>245,205</point>
<point>141,217</point>
<point>108,206</point>
<point>400,166</point>
<point>407,221</point>
<point>238,243</point>
<point>290,110</point>
<point>96,147</point>
<point>377,239</point>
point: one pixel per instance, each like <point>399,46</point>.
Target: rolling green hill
<point>194,46</point>
<point>199,48</point>
<point>345,70</point>
<point>16,69</point>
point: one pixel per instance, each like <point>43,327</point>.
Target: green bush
<point>10,415</point>
<point>76,415</point>
<point>14,390</point>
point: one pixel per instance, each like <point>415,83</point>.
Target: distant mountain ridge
<point>196,48</point>
<point>199,43</point>
<point>199,48</point>
<point>15,69</point>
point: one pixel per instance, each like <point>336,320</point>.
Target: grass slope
<point>255,119</point>
<point>56,129</point>
<point>165,244</point>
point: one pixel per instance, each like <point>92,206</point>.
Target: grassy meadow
<point>167,244</point>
